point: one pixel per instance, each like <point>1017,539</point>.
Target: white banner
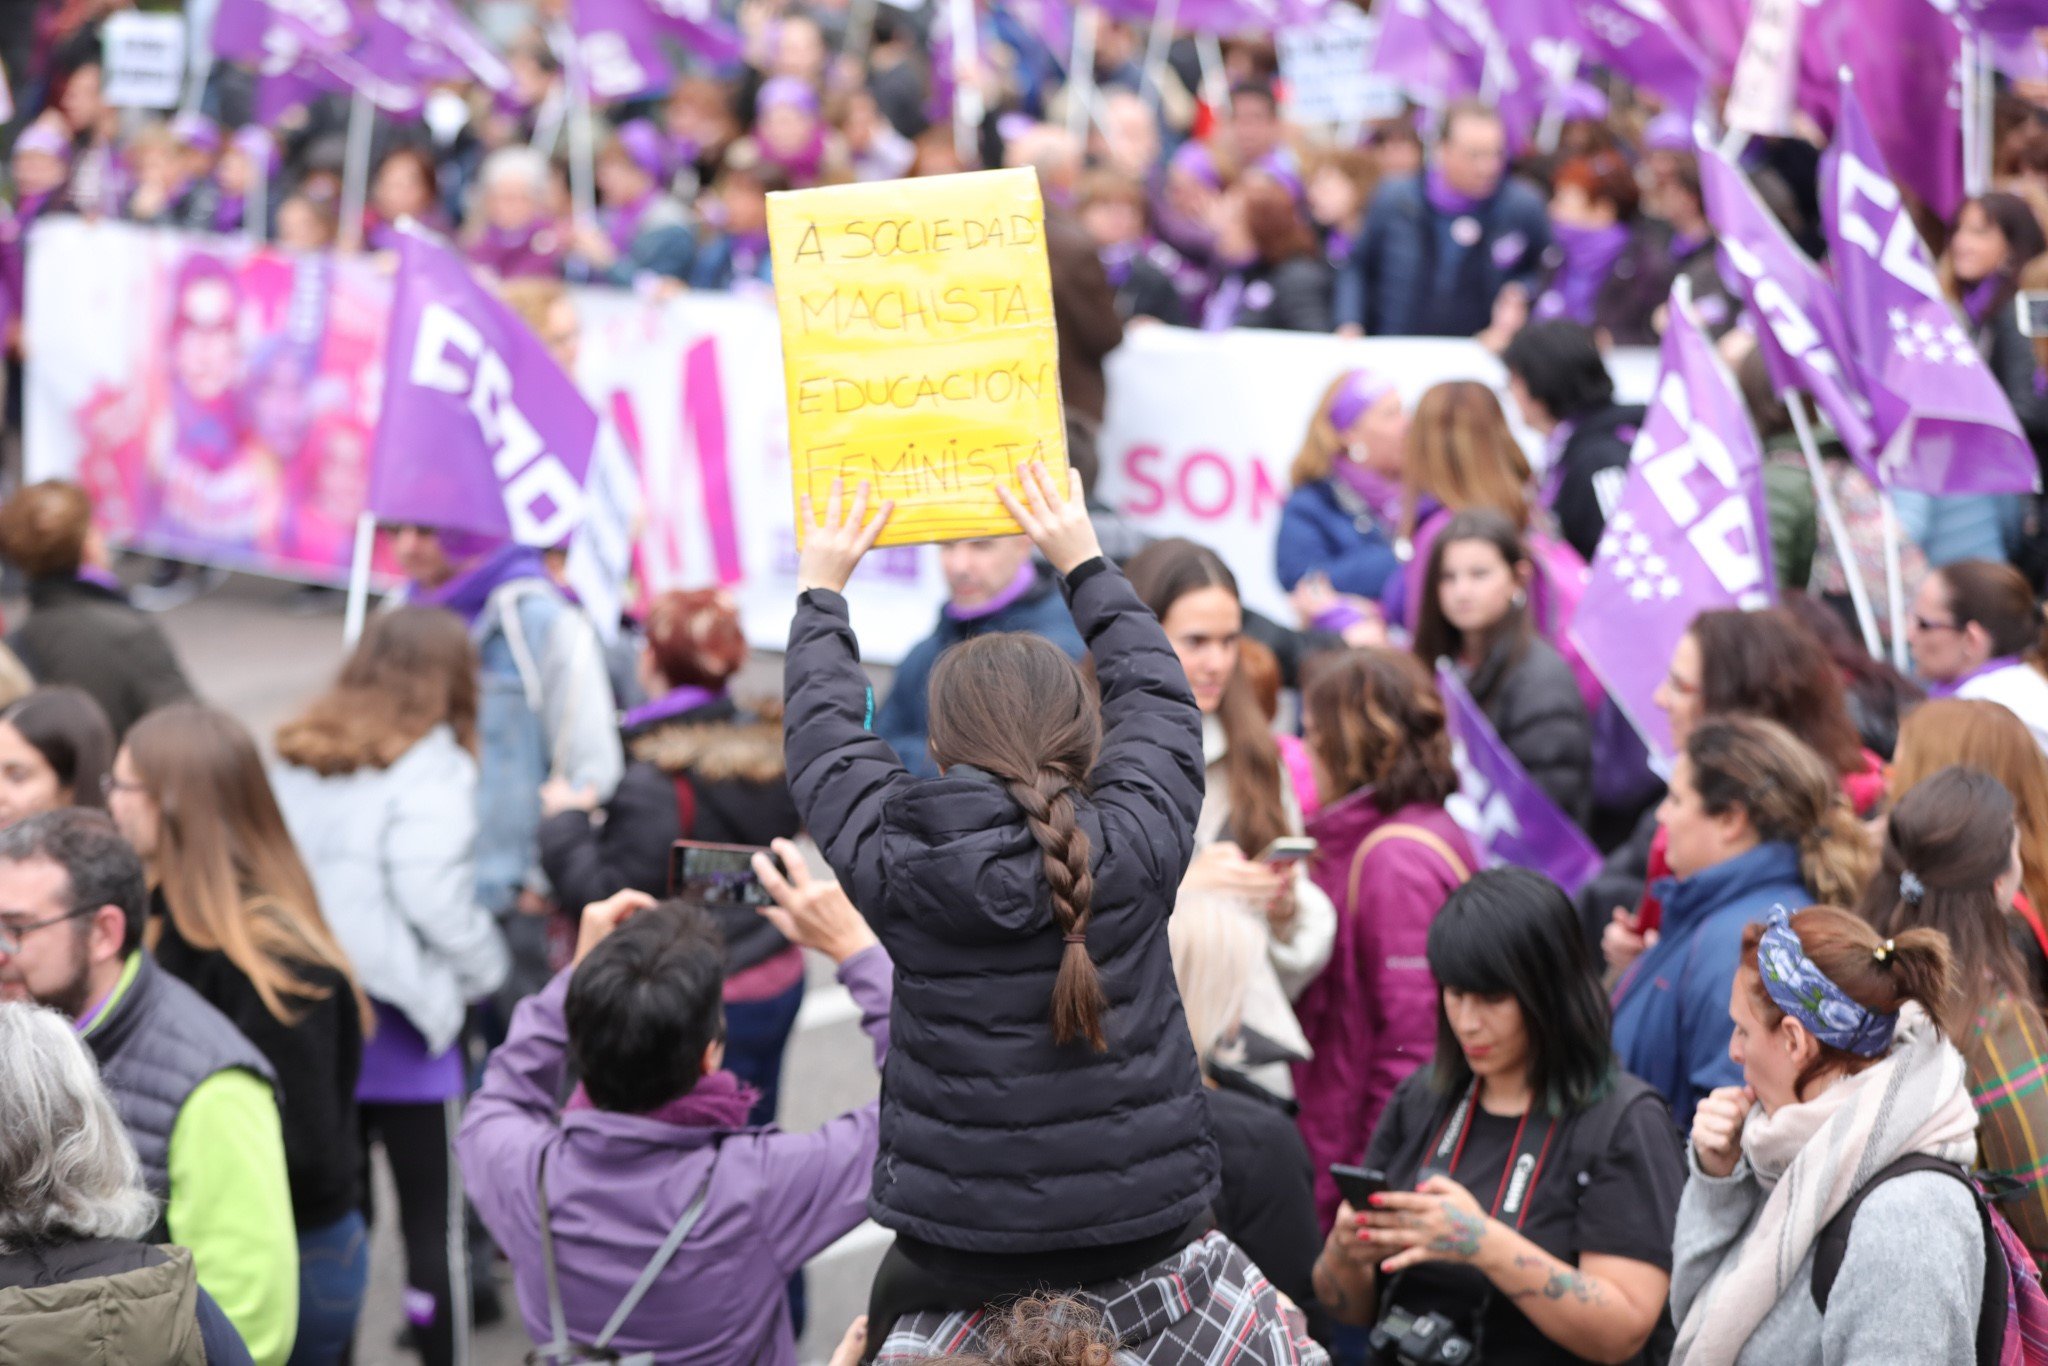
<point>127,390</point>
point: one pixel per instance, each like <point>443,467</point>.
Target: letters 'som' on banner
<point>918,345</point>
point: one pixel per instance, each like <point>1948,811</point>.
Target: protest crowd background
<point>1461,776</point>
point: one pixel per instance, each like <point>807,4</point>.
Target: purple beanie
<point>196,130</point>
<point>645,147</point>
<point>1362,389</point>
<point>787,92</point>
<point>1193,158</point>
<point>1670,131</point>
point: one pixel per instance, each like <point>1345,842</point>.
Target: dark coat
<point>1326,527</point>
<point>1268,1204</point>
<point>1626,308</point>
<point>1389,285</point>
<point>1534,703</point>
<point>88,636</point>
<point>108,1299</point>
<point>317,1061</point>
<point>995,1139</point>
<point>731,763</point>
<point>1288,296</point>
<point>1594,466</point>
<point>905,715</point>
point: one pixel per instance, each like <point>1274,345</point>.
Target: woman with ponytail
<point>1951,862</point>
<point>1043,1120</point>
<point>1753,819</point>
<point>1826,1220</point>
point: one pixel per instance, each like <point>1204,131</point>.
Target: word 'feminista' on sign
<point>913,472</point>
<point>1000,383</point>
<point>911,309</point>
<point>861,240</point>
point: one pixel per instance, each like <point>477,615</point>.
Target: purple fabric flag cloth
<point>1639,39</point>
<point>1907,49</point>
<point>2011,18</point>
<point>1511,820</point>
<point>1688,534</point>
<point>481,430</point>
<point>243,30</point>
<point>702,29</point>
<point>1804,337</point>
<point>1715,28</point>
<point>444,45</point>
<point>1409,54</point>
<point>618,51</point>
<point>1942,423</point>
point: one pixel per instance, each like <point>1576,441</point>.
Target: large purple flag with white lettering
<point>1688,534</point>
<point>702,29</point>
<point>1942,423</point>
<point>1799,320</point>
<point>1513,821</point>
<point>1906,50</point>
<point>242,29</point>
<point>1408,53</point>
<point>480,431</point>
<point>1639,39</point>
<point>435,43</point>
<point>619,50</point>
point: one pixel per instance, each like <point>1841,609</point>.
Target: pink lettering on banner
<point>704,428</point>
<point>626,423</point>
<point>1206,485</point>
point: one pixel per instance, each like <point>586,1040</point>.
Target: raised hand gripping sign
<point>918,346</point>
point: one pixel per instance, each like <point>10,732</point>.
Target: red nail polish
<point>1375,1200</point>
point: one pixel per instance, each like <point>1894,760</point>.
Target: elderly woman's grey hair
<point>67,1169</point>
<point>515,165</point>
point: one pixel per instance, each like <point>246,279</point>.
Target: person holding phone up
<point>1530,1185</point>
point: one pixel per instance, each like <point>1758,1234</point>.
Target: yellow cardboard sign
<point>918,346</point>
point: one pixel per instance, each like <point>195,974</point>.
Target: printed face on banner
<point>918,345</point>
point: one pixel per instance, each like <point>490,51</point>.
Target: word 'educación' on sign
<point>918,347</point>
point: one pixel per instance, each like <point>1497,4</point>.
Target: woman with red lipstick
<point>1532,1186</point>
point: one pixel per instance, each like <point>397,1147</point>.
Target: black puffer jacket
<point>1537,710</point>
<point>730,761</point>
<point>994,1139</point>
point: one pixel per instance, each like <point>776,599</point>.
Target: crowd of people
<point>1209,1028</point>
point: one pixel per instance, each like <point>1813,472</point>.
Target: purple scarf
<point>467,593</point>
<point>1589,257</point>
<point>1027,577</point>
<point>622,224</point>
<point>675,702</point>
<point>802,165</point>
<point>1978,302</point>
<point>749,250</point>
<point>1685,244</point>
<point>1221,310</point>
<point>1445,200</point>
<point>1383,496</point>
<point>535,249</point>
<point>227,213</point>
<point>719,1101</point>
<point>1553,473</point>
<point>1117,260</point>
<point>1956,685</point>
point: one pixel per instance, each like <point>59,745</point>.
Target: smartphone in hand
<point>1358,1185</point>
<point>717,874</point>
<point>1288,849</point>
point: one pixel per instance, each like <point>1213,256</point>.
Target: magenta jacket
<point>1371,1017</point>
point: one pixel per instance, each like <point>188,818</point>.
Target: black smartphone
<point>717,874</point>
<point>1358,1185</point>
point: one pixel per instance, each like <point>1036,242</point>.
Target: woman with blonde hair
<point>234,916</point>
<point>378,785</point>
<point>1954,731</point>
<point>1753,819</point>
<point>1341,518</point>
<point>1267,1204</point>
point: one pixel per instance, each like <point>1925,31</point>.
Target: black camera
<point>1405,1339</point>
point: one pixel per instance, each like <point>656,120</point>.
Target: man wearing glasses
<point>194,1094</point>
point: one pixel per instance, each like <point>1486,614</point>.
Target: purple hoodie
<point>617,1184</point>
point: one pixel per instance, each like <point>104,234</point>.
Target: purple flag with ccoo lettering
<point>1511,820</point>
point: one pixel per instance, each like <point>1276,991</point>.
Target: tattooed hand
<point>1440,1222</point>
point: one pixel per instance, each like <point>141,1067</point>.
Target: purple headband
<point>196,130</point>
<point>41,137</point>
<point>1670,131</point>
<point>787,92</point>
<point>255,142</point>
<point>1014,125</point>
<point>644,146</point>
<point>1583,100</point>
<point>1279,168</point>
<point>1194,159</point>
<point>1362,389</point>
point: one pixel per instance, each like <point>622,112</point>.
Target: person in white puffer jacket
<point>378,783</point>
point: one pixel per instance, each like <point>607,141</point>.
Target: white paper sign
<point>1764,93</point>
<point>145,60</point>
<point>1324,67</point>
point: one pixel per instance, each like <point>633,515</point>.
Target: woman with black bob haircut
<point>1531,1185</point>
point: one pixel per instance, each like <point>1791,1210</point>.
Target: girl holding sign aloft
<point>1042,1116</point>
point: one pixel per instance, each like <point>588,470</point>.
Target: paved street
<point>260,649</point>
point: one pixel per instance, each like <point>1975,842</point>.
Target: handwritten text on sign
<point>918,345</point>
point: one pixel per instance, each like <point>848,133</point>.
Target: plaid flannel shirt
<point>2007,1052</point>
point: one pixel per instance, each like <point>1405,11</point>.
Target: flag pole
<point>256,215</point>
<point>1973,175</point>
<point>355,171</point>
<point>1215,80</point>
<point>359,578</point>
<point>1165,17</point>
<point>582,153</point>
<point>967,98</point>
<point>1081,73</point>
<point>860,31</point>
<point>1551,126</point>
<point>1894,578</point>
<point>1987,111</point>
<point>1831,513</point>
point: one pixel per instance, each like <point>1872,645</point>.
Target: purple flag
<point>1800,327</point>
<point>481,431</point>
<point>1408,53</point>
<point>1512,821</point>
<point>241,28</point>
<point>1687,536</point>
<point>1942,423</point>
<point>1908,50</point>
<point>618,50</point>
<point>702,29</point>
<point>1715,27</point>
<point>2012,18</point>
<point>440,45</point>
<point>1637,38</point>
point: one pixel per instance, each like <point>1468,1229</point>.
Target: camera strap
<point>1523,1168</point>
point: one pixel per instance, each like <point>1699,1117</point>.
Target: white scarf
<point>1812,1157</point>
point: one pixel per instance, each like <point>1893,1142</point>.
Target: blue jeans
<point>756,1033</point>
<point>334,1275</point>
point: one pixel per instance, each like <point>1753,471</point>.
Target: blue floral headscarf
<point>1797,986</point>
